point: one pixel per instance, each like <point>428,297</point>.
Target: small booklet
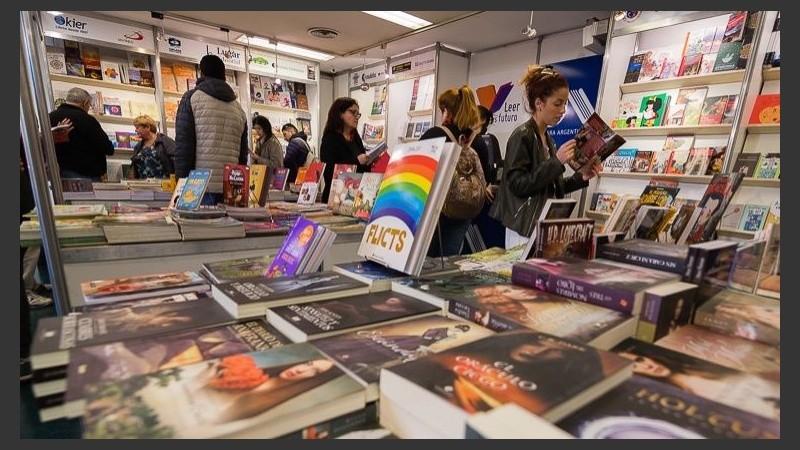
<point>596,142</point>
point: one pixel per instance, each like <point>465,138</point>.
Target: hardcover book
<point>262,394</point>
<point>258,185</point>
<point>737,389</point>
<point>250,297</point>
<point>406,210</point>
<point>595,142</point>
<point>547,375</point>
<point>56,336</point>
<point>120,360</point>
<point>766,109</point>
<point>490,300</point>
<point>665,308</point>
<point>564,237</point>
<point>726,350</point>
<point>604,283</point>
<point>379,277</point>
<point>135,287</point>
<point>363,353</point>
<point>236,185</point>
<point>193,189</point>
<point>641,408</point>
<point>319,319</point>
<point>749,316</point>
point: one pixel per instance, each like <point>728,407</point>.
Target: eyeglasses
<point>355,113</point>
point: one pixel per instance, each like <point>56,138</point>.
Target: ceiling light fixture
<point>284,48</point>
<point>55,13</point>
<point>400,18</point>
<point>530,31</point>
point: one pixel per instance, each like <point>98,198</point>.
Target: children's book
<point>753,217</point>
<point>698,160</point>
<point>344,192</point>
<point>642,161</point>
<point>236,185</point>
<point>620,161</point>
<point>713,109</point>
<point>692,98</point>
<point>652,110</point>
<point>766,109</point>
<point>366,194</point>
<point>193,190</point>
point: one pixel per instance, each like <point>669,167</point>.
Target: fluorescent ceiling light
<point>55,13</point>
<point>284,48</point>
<point>400,18</point>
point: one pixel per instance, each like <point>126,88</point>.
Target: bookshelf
<point>763,128</point>
<point>730,76</point>
<point>772,73</point>
<point>669,130</point>
<point>421,112</point>
<point>72,79</point>
<point>258,106</point>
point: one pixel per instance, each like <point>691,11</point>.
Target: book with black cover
<point>319,319</point>
<point>56,336</point>
<point>378,276</point>
<point>547,375</point>
<point>665,308</point>
<point>250,297</point>
<point>564,237</point>
<point>492,301</point>
<point>613,285</point>
<point>120,360</point>
<point>262,394</point>
<point>363,353</point>
<point>641,408</point>
<point>651,254</point>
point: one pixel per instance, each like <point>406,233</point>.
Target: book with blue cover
<point>193,190</point>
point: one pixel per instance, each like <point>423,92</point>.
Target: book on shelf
<point>730,109</point>
<point>135,287</point>
<point>637,409</point>
<point>511,421</point>
<point>741,314</point>
<point>766,109</point>
<point>713,109</point>
<point>110,71</point>
<point>769,166</point>
<point>726,350</point>
<point>262,394</point>
<point>650,221</point>
<point>323,318</point>
<point>715,199</point>
<point>698,160</point>
<point>652,109</point>
<point>492,301</point>
<point>605,202</point>
<point>747,164</point>
<point>678,227</point>
<point>627,113</point>
<point>690,65</point>
<point>734,388</point>
<point>117,361</point>
<point>55,337</point>
<point>250,297</point>
<point>647,253</point>
<point>595,141</point>
<point>365,352</point>
<point>605,283</point>
<point>191,195</point>
<point>547,375</point>
<point>753,217</point>
<point>406,209</point>
<point>728,56</point>
<point>746,264</point>
<point>690,100</point>
<point>234,269</point>
<point>658,195</point>
<point>621,160</point>
<point>634,69</point>
<point>377,276</point>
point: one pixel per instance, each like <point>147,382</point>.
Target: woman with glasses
<point>533,170</point>
<point>341,143</point>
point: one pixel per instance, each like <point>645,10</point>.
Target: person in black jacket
<point>297,150</point>
<point>341,143</point>
<point>84,154</point>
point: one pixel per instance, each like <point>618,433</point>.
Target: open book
<point>375,152</point>
<point>596,141</point>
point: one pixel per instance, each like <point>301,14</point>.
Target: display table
<point>113,261</point>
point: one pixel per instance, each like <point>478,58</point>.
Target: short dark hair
<point>288,126</point>
<point>212,66</point>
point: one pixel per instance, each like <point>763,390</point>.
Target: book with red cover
<point>236,185</point>
<point>596,141</point>
<point>547,375</point>
<point>766,109</point>
<point>715,199</point>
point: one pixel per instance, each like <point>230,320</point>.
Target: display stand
<point>369,87</point>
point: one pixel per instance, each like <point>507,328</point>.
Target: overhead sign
<point>264,63</point>
<point>412,65</point>
<point>375,74</point>
<point>232,56</point>
<point>101,30</point>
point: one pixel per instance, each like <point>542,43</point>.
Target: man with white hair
<point>83,154</point>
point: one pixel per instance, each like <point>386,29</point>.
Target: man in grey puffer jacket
<point>210,127</point>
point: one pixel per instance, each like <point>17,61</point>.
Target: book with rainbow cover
<point>406,209</point>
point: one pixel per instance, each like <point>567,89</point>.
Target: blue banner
<point>583,77</point>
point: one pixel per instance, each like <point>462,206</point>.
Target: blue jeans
<point>452,237</point>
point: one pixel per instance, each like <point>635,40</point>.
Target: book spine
<point>481,317</point>
<point>339,426</point>
<point>49,374</point>
<point>605,296</point>
<point>690,265</point>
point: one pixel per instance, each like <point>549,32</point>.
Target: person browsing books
<point>341,143</point>
<point>83,155</point>
<point>297,150</point>
<point>268,149</point>
<point>154,155</point>
<point>461,117</point>
<point>210,128</point>
<point>488,149</point>
<point>533,170</point>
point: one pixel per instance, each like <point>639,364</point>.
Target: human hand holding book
<point>594,142</point>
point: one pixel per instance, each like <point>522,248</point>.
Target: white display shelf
<point>763,128</point>
<point>597,215</point>
<point>377,116</point>
<point>736,232</point>
<point>729,76</point>
<point>772,73</point>
<point>101,83</point>
<point>277,108</point>
<point>703,179</point>
<point>421,112</point>
<point>761,182</point>
<point>723,128</point>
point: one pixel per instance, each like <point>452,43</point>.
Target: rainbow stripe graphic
<point>405,188</point>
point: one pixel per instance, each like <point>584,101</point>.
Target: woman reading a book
<point>341,143</point>
<point>533,170</point>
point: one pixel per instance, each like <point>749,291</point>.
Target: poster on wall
<point>583,77</point>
